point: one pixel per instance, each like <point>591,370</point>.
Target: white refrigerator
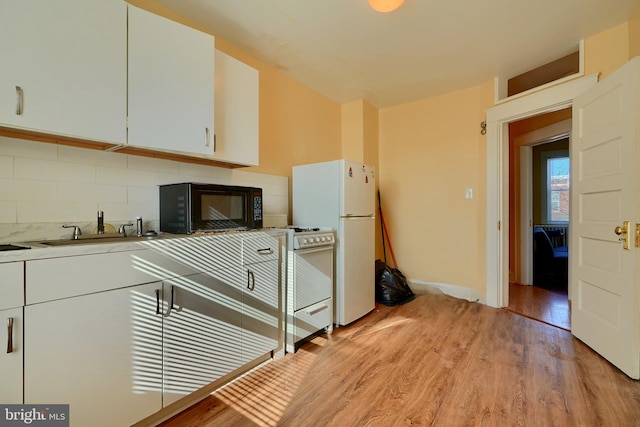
<point>341,194</point>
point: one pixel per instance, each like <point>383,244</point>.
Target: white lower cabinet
<point>201,332</point>
<point>260,297</point>
<point>100,353</point>
<point>11,342</point>
<point>177,317</point>
<point>11,353</point>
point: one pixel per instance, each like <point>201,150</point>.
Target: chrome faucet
<point>76,231</point>
<point>139,226</point>
<point>100,222</point>
<point>122,230</point>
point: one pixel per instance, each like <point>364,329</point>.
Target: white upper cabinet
<point>63,67</point>
<point>236,114</point>
<point>171,85</point>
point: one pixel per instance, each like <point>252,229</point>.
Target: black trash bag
<point>391,285</point>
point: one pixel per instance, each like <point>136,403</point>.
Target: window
<point>557,188</point>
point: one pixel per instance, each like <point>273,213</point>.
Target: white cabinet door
<point>100,353</point>
<point>171,85</point>
<point>11,285</point>
<point>64,67</point>
<point>261,307</point>
<point>260,310</point>
<point>11,348</point>
<point>11,354</point>
<point>201,333</point>
<point>236,111</point>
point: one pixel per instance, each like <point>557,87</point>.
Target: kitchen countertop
<point>41,250</point>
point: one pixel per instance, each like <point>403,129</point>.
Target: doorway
<point>498,119</point>
<point>538,255</point>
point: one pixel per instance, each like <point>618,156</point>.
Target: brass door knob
<point>619,230</point>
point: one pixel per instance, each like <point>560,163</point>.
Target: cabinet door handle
<point>19,100</point>
<point>265,251</point>
<point>10,335</point>
<point>214,142</point>
<point>207,139</point>
<point>158,311</point>
<point>174,300</point>
<point>157,301</point>
<point>251,280</point>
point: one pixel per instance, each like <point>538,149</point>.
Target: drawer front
<point>11,285</point>
<point>259,249</point>
<point>201,253</point>
<point>313,318</point>
<point>56,278</point>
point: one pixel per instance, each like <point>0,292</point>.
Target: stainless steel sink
<point>87,240</point>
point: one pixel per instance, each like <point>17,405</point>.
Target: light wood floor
<point>436,361</point>
<point>549,306</point>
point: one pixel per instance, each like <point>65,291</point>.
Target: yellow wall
<point>634,33</point>
<point>607,51</point>
<point>360,132</point>
<point>431,151</point>
<point>371,134</point>
<point>353,131</point>
<point>360,136</point>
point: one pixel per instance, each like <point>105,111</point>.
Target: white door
<point>603,177</point>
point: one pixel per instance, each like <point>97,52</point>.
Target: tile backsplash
<point>43,186</point>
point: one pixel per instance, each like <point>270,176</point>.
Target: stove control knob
<point>304,241</point>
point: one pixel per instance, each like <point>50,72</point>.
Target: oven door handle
<point>316,310</point>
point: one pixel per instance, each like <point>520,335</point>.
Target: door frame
<point>526,142</point>
<point>497,226</point>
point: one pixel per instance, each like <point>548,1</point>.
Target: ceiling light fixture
<point>385,5</point>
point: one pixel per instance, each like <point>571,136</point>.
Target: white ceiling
<point>346,51</point>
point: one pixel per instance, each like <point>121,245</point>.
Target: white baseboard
<point>421,287</point>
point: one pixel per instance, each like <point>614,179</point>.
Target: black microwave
<point>190,207</point>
